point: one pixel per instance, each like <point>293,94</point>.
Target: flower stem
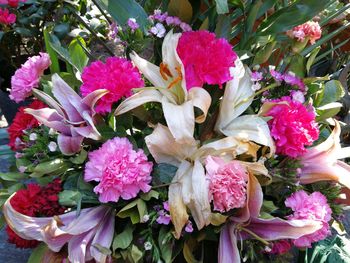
<point>255,236</point>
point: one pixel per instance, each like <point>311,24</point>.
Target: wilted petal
<point>200,99</point>
<point>177,207</point>
<point>165,149</point>
<point>228,250</point>
<point>149,70</point>
<point>251,128</point>
<point>69,145</point>
<point>180,120</point>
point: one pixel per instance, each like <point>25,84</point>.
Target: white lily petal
<point>180,120</point>
<point>200,206</point>
<point>236,99</point>
<point>165,149</point>
<point>138,99</point>
<point>202,100</point>
<point>148,69</point>
<point>178,213</point>
<point>251,128</point>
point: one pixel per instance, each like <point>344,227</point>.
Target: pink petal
<point>69,145</point>
<point>228,251</point>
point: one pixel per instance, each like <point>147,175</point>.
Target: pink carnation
<point>310,30</point>
<point>205,58</point>
<point>6,17</point>
<point>120,171</point>
<point>228,183</point>
<point>293,126</point>
<point>311,207</point>
<point>117,75</point>
<point>28,76</point>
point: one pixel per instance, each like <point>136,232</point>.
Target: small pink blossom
<point>310,30</point>
<point>120,170</point>
<point>228,183</point>
<point>132,24</point>
<point>163,218</point>
<point>189,227</point>
<point>311,207</point>
<point>6,17</point>
<point>206,59</point>
<point>28,76</point>
<point>293,126</point>
<point>117,75</point>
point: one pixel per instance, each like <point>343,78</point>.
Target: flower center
<point>165,73</point>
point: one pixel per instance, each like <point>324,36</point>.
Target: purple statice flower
<point>189,227</point>
<point>176,21</point>
<point>256,76</point>
<point>158,16</point>
<point>185,27</point>
<point>163,218</point>
<point>293,80</point>
<point>276,75</point>
<point>133,24</point>
<point>158,30</point>
<point>169,20</point>
<point>297,95</point>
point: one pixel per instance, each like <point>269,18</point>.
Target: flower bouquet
<point>194,156</point>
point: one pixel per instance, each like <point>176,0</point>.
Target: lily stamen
<point>164,71</point>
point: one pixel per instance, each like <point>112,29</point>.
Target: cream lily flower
<point>189,187</point>
<point>169,89</point>
<point>320,163</point>
<point>238,96</point>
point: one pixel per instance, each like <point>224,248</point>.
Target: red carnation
<point>35,201</point>
<point>22,122</point>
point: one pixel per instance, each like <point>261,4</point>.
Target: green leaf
<point>311,58</point>
<point>151,194</point>
<point>121,11</point>
<point>136,254</point>
<point>252,16</point>
<point>221,6</point>
<point>295,14</point>
<point>38,253</point>
<point>332,92</point>
<point>103,250</point>
<point>14,177</point>
<point>264,54</point>
<point>297,65</point>
<point>77,53</point>
<point>165,245</point>
<point>164,173</point>
<point>181,9</point>
<point>69,198</point>
<point>223,27</point>
<point>135,210</point>
<point>124,239</point>
<point>79,158</point>
<point>328,111</point>
<point>61,30</point>
<point>49,167</point>
<point>24,31</point>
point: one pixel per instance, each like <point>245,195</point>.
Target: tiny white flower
<point>52,146</point>
<point>256,67</point>
<point>33,136</point>
<point>267,249</point>
<point>22,169</point>
<point>52,131</point>
<point>271,67</point>
<point>291,73</point>
<point>256,86</point>
<point>145,218</point>
<point>147,245</point>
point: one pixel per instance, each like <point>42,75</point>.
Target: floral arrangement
<point>193,156</point>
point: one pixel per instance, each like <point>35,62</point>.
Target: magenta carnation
<point>310,207</point>
<point>292,126</point>
<point>228,183</point>
<point>120,171</point>
<point>28,76</point>
<point>117,75</point>
<point>205,58</point>
<point>280,247</point>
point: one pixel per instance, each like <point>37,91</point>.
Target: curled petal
<point>228,250</point>
<point>202,100</point>
<point>69,145</point>
<point>138,99</point>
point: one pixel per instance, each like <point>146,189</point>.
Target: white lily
<point>238,96</point>
<point>170,90</point>
<point>189,187</point>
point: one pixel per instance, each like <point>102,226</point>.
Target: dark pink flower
<point>280,247</point>
<point>117,75</point>
<point>312,207</point>
<point>206,59</point>
<point>292,126</point>
<point>310,30</point>
<point>120,170</point>
<point>6,17</point>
